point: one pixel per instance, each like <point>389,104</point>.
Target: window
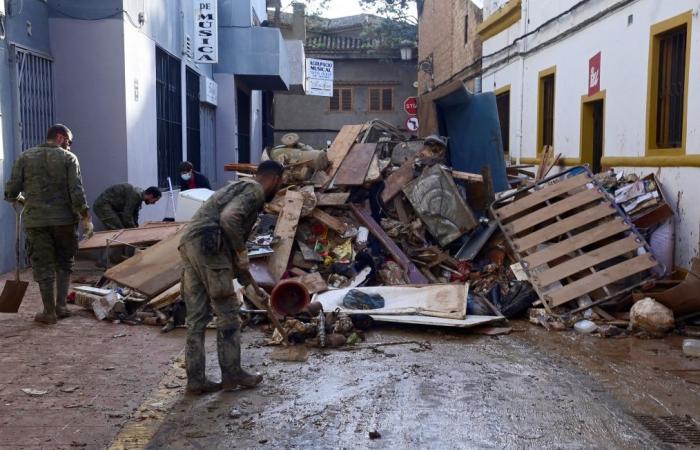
<point>341,100</point>
<point>503,107</point>
<point>193,138</point>
<point>545,110</point>
<point>466,29</point>
<point>168,116</point>
<point>35,97</point>
<point>381,99</point>
<point>668,78</point>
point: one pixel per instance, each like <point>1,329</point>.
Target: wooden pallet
<point>572,240</point>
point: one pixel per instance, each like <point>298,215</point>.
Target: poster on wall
<point>206,41</point>
<point>594,74</point>
<point>319,77</point>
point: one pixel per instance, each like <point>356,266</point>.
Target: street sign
<point>319,77</point>
<point>206,41</point>
<point>410,105</point>
<point>594,74</point>
<point>412,123</point>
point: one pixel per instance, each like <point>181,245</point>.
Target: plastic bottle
<point>585,326</point>
<point>691,347</point>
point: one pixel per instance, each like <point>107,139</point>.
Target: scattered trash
<point>585,326</point>
<point>34,392</point>
<point>374,434</point>
<point>691,347</point>
<point>650,316</point>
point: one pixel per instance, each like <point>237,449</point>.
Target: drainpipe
<point>522,85</point>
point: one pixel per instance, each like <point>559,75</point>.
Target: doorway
<point>592,130</point>
<point>243,116</point>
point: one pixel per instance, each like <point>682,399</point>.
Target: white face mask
<point>186,176</point>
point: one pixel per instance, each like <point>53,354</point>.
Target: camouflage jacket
<point>234,208</point>
<point>125,200</point>
<point>49,179</point>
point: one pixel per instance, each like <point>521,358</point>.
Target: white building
<point>611,83</point>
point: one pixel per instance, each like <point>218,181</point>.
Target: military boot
<point>62,286</point>
<point>228,345</point>
<point>195,362</point>
<point>48,316</point>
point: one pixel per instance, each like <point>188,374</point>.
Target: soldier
<point>213,251</point>
<point>118,206</point>
<point>47,180</point>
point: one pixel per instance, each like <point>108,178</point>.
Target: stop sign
<point>410,105</point>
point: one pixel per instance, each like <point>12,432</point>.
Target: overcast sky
<point>341,8</point>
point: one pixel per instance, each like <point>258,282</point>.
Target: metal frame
<point>547,182</point>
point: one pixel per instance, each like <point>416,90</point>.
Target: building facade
<point>121,75</point>
<point>370,81</point>
<point>609,83</point>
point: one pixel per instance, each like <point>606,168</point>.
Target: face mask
<point>186,176</point>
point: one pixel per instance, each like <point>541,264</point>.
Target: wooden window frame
<point>381,90</point>
<point>340,100</point>
<point>552,71</point>
<point>500,91</point>
<point>656,31</point>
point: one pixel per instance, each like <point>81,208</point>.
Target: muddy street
<point>448,390</point>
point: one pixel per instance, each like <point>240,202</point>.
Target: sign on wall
<point>410,105</point>
<point>208,90</point>
<point>412,123</point>
<point>319,77</point>
<point>594,74</point>
<point>206,41</point>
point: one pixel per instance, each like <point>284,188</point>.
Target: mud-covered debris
<point>34,392</point>
<point>651,316</point>
<point>374,434</point>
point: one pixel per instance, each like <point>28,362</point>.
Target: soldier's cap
<point>434,139</point>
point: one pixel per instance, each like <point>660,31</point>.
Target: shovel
<point>13,292</point>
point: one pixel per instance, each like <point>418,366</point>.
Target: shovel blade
<point>12,296</point>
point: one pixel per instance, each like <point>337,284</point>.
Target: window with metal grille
<point>670,87</point>
<point>35,96</point>
<point>168,115</point>
<point>341,100</point>
<point>193,124</point>
<point>466,29</point>
<point>547,93</point>
<point>503,106</point>
<point>381,99</point>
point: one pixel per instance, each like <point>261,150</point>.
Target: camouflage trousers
<point>52,250</point>
<point>108,216</point>
<point>206,287</point>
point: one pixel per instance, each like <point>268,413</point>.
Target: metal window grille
<point>35,96</point>
<point>548,110</point>
<point>169,115</point>
<point>207,120</point>
<point>193,123</point>
<point>671,88</point>
<point>346,99</point>
<point>387,99</point>
<point>335,101</point>
<point>375,99</point>
<point>503,106</point>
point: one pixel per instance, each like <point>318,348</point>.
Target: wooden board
<point>587,260</point>
<point>397,180</point>
<point>331,222</point>
<point>561,227</point>
<point>165,298</point>
<point>466,176</point>
<point>132,236</point>
<point>241,167</point>
<point>341,146</point>
<point>605,230</point>
<point>469,322</point>
<point>314,282</point>
<point>153,270</point>
<point>537,197</point>
<point>553,210</point>
<point>285,228</point>
<point>333,199</point>
<point>599,279</point>
<point>353,170</point>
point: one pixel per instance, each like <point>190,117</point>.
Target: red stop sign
<point>410,105</point>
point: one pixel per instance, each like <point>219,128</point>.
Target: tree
<point>396,10</point>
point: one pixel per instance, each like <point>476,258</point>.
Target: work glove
<point>88,227</point>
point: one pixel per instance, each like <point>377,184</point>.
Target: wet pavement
<point>531,389</point>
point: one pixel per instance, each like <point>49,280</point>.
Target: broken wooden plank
<point>341,146</point>
<point>589,259</point>
<point>285,229</point>
<point>153,270</point>
<point>332,199</point>
<point>602,231</point>
<point>544,194</point>
<point>241,167</point>
<point>165,298</point>
<point>353,170</point>
<point>130,236</point>
<point>563,226</point>
<point>414,275</point>
<point>331,222</point>
<point>313,282</point>
<point>599,279</point>
<point>553,210</point>
<point>466,176</point>
<point>397,180</point>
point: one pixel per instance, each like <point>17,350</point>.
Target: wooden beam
<point>285,229</point>
<point>331,222</point>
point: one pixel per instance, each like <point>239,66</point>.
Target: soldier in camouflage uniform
<point>213,251</point>
<point>118,206</point>
<point>47,180</point>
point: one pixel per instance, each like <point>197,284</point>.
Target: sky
<point>341,8</point>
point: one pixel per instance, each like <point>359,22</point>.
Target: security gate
<point>34,94</point>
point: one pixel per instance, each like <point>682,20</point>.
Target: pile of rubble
<point>380,227</point>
